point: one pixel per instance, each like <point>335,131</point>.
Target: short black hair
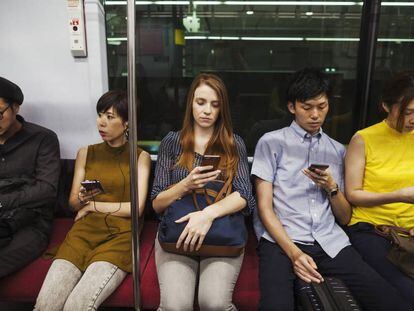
<point>116,99</point>
<point>306,84</point>
<point>10,92</point>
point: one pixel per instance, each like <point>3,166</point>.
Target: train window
<point>253,45</point>
<point>394,49</point>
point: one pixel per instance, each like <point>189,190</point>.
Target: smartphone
<point>321,167</point>
<point>90,185</point>
<point>213,160</point>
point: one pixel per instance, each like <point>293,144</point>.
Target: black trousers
<point>276,278</point>
<point>374,249</point>
<point>27,244</point>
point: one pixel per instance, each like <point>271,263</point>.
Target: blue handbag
<point>227,235</point>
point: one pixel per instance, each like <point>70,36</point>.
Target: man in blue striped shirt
<point>299,204</point>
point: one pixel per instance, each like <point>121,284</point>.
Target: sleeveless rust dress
<point>101,236</point>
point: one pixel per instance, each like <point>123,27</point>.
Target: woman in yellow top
<point>95,256</point>
<point>379,180</point>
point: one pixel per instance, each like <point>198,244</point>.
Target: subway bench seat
<point>24,285</point>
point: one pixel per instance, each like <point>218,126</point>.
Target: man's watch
<point>333,192</point>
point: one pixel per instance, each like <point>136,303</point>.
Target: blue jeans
<point>374,249</point>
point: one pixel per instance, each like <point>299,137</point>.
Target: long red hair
<point>222,141</point>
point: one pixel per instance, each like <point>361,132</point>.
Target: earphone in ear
<point>385,107</point>
<point>126,131</point>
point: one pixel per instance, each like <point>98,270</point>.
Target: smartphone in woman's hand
<point>209,159</point>
<point>90,185</point>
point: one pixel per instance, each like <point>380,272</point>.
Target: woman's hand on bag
<point>412,231</point>
<point>194,233</point>
<point>323,178</point>
<point>198,178</point>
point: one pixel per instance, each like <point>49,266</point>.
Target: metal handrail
<point>133,138</point>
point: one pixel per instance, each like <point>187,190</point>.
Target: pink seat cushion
<point>25,284</point>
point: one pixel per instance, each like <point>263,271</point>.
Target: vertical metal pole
<point>366,60</point>
<point>133,138</point>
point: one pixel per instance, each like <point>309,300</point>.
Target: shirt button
<point>3,160</point>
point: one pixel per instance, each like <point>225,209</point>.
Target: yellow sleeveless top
<point>389,166</point>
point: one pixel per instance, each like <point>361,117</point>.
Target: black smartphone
<point>209,159</point>
<point>90,185</point>
<point>321,167</point>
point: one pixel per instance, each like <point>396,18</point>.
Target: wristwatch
<point>333,192</point>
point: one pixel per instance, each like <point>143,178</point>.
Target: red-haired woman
<point>206,130</point>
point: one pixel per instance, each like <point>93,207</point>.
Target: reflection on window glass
<point>394,49</point>
<point>252,45</point>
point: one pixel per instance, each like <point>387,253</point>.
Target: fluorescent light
<point>395,40</point>
<point>208,2</point>
<point>222,38</point>
<point>309,13</point>
<point>249,12</point>
<point>323,3</point>
<point>195,37</point>
<point>272,38</point>
<point>405,3</point>
<point>115,2</point>
<point>332,39</point>
<point>230,38</point>
<point>173,2</point>
<point>117,39</point>
<point>275,3</point>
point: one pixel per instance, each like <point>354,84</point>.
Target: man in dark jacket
<point>29,173</point>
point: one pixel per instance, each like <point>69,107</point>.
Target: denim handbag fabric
<point>227,235</point>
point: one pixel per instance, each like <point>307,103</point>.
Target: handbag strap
<point>224,192</point>
<point>386,230</point>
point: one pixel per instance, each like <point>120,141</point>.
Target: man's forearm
<point>29,196</point>
<point>275,229</point>
<point>341,208</point>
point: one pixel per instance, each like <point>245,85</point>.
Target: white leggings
<point>178,276</point>
<point>66,288</point>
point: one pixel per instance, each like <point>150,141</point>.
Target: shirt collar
<point>303,134</point>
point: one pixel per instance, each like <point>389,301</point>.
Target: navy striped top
<point>167,173</point>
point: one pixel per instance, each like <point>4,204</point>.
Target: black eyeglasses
<point>2,112</point>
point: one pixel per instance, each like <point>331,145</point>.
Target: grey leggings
<point>178,274</point>
<point>66,288</point>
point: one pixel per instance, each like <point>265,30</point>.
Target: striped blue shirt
<point>167,173</point>
<point>302,207</point>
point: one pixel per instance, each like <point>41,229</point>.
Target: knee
<point>42,304</point>
<point>43,301</point>
<point>208,303</point>
<point>77,303</point>
<point>175,305</point>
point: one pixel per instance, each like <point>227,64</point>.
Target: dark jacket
<point>29,175</point>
